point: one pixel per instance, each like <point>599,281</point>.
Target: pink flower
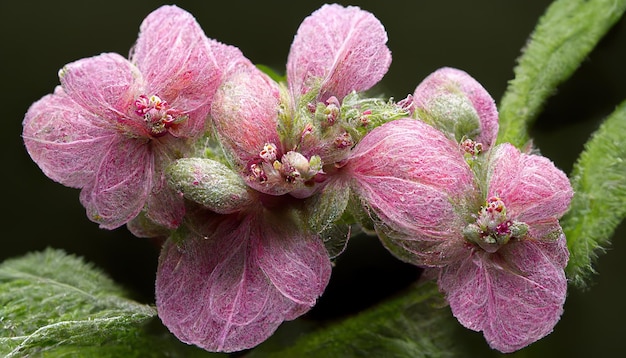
<point>249,260</point>
<point>292,133</point>
<point>114,124</point>
<point>487,223</point>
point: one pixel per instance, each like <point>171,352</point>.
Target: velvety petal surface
<point>451,85</point>
<point>121,184</point>
<point>230,290</point>
<point>417,184</point>
<point>65,140</point>
<point>531,186</point>
<point>340,49</point>
<point>106,85</point>
<point>515,296</point>
<point>164,205</point>
<point>244,112</point>
<point>180,64</point>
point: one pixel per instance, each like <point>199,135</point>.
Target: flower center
<point>292,167</point>
<point>157,114</point>
<point>493,228</point>
<point>471,147</point>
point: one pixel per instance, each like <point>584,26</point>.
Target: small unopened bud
<point>209,183</point>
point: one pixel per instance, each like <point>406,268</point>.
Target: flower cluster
<point>250,179</point>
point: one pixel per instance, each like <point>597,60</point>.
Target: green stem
<point>563,38</point>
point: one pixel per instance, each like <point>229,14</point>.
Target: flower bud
<point>209,183</point>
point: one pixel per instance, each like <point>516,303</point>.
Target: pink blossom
<point>337,50</point>
<point>114,124</point>
<point>490,230</point>
<point>235,276</point>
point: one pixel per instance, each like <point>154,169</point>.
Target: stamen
<point>157,114</point>
<point>493,228</point>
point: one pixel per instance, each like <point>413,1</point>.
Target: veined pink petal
<point>340,48</point>
<point>165,206</point>
<point>531,187</point>
<point>105,85</point>
<point>296,262</point>
<point>212,292</point>
<point>64,139</point>
<point>417,183</point>
<point>121,185</point>
<point>244,112</point>
<point>181,65</point>
<point>515,296</point>
<point>449,80</point>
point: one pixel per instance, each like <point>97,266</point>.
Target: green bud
<point>472,233</point>
<point>209,183</point>
<point>453,114</point>
<point>519,229</point>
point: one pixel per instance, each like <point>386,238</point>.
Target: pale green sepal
<point>326,207</point>
<point>563,38</point>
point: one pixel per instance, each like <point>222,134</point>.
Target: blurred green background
<point>481,37</point>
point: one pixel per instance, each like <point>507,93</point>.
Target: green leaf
<point>411,325</point>
<point>564,36</point>
<point>55,304</point>
<point>599,203</point>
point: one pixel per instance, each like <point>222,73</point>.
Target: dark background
<point>481,37</point>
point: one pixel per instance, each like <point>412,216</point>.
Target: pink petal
<point>121,184</point>
<point>142,227</point>
<point>416,182</point>
<point>341,49</point>
<point>450,81</point>
<point>215,292</point>
<point>165,206</point>
<point>514,296</point>
<point>65,140</point>
<point>180,64</point>
<point>106,85</point>
<point>532,188</point>
<point>297,263</point>
<point>246,107</point>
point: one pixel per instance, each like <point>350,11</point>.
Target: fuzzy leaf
<point>599,203</point>
<point>56,303</point>
<point>564,36</point>
<point>412,325</point>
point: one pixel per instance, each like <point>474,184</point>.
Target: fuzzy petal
<point>532,188</point>
<point>165,206</point>
<point>514,296</point>
<point>121,185</point>
<point>215,292</point>
<point>449,81</point>
<point>340,49</point>
<point>180,64</point>
<point>297,263</point>
<point>246,106</point>
<point>417,184</point>
<point>65,140</point>
<point>106,85</point>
